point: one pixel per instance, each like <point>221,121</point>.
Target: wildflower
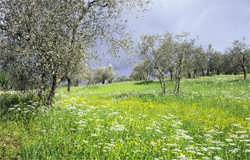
<point>164,149</point>
<point>243,136</point>
<point>228,140</point>
<point>107,148</point>
<point>245,140</point>
<point>165,117</point>
<point>148,128</point>
<point>183,157</point>
<point>191,151</point>
<point>219,132</point>
<point>235,150</point>
<point>171,145</point>
<point>82,123</point>
<point>159,131</point>
<point>204,149</point>
<point>205,158</point>
<point>153,143</point>
<point>233,136</point>
<point>218,148</point>
<point>93,135</point>
<point>215,148</point>
<point>179,123</point>
<point>85,141</point>
<point>241,132</point>
<point>10,109</point>
<point>236,125</point>
<point>217,158</point>
<point>80,113</point>
<point>113,114</point>
<point>71,108</point>
<point>137,135</point>
<point>117,128</point>
<point>187,137</point>
<point>232,144</point>
<point>199,153</point>
<point>177,150</point>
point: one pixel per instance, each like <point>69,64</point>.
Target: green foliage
<point>46,41</point>
<point>101,75</point>
<point>210,120</point>
<point>142,71</point>
<point>19,106</point>
<point>4,81</point>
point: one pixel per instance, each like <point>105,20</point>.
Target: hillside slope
<point>130,120</point>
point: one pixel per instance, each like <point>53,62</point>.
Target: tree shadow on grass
<point>199,82</point>
<point>145,82</point>
<point>146,97</point>
<point>239,81</point>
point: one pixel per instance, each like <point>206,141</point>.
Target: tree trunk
<point>103,81</point>
<point>194,74</point>
<point>163,85</point>
<point>164,88</point>
<point>52,90</point>
<point>203,72</point>
<point>77,82</point>
<point>218,72</point>
<point>244,71</point>
<point>178,75</point>
<point>208,72</point>
<point>171,75</point>
<point>69,84</point>
<point>177,86</point>
<point>42,89</point>
<point>147,79</point>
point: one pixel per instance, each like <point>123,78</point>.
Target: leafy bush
<point>4,81</point>
<point>17,106</point>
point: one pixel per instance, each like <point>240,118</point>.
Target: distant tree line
<point>176,56</point>
<point>100,75</point>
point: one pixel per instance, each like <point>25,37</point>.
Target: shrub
<point>4,81</point>
<point>17,106</point>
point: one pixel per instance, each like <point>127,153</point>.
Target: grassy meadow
<point>131,120</point>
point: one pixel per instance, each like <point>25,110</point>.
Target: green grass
<point>130,120</point>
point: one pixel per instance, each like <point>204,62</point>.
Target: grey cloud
<point>218,22</point>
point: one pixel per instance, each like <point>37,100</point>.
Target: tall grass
<point>210,120</point>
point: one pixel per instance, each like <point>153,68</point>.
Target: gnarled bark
<point>52,90</point>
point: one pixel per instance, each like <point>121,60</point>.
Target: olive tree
<point>159,51</point>
<point>240,56</point>
<point>217,63</point>
<point>142,71</point>
<point>149,50</point>
<point>184,48</point>
<point>103,75</point>
<point>164,62</point>
<point>196,63</point>
<point>47,39</point>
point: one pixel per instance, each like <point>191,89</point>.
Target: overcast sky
<point>218,22</point>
